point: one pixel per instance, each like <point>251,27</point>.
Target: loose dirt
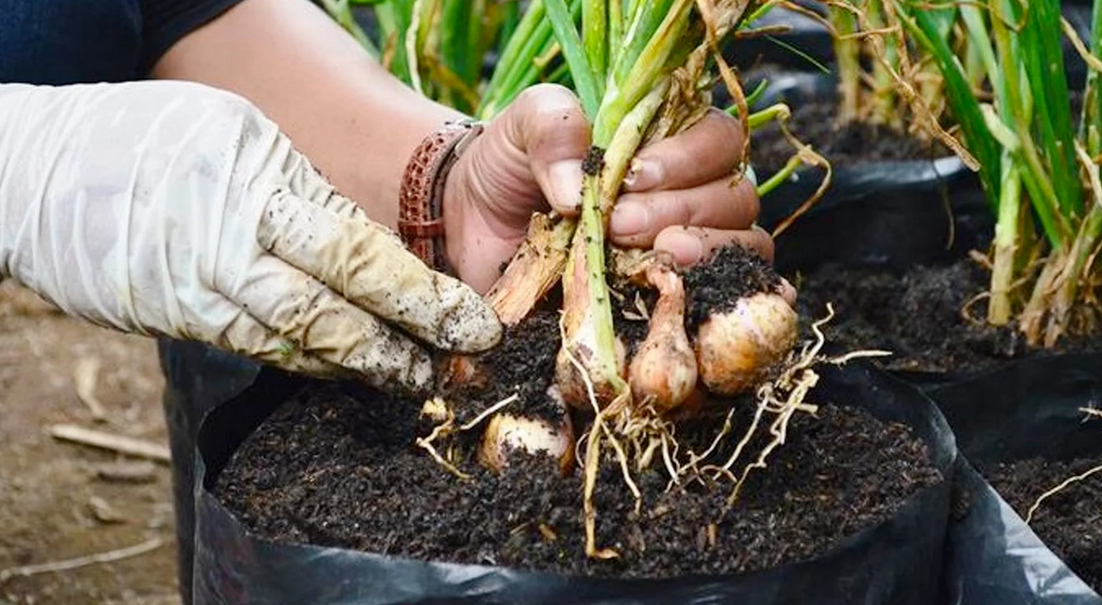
<point>354,481</point>
<point>49,491</point>
<point>850,145</point>
<point>918,317</point>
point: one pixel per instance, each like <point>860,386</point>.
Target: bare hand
<point>681,194</point>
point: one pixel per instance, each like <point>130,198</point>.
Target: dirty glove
<point>169,208</point>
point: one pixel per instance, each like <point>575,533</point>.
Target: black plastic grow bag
<point>1027,409</point>
<point>804,45</point>
<point>898,561</point>
<point>890,213</point>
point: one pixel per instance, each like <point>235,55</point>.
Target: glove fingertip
<point>471,326</point>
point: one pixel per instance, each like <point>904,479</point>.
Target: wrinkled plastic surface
<point>1027,409</point>
<point>197,378</point>
<point>899,561</point>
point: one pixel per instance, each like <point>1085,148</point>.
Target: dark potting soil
<point>1069,522</point>
<point>917,317</point>
<point>717,285</point>
<point>850,145</point>
<point>522,365</point>
<point>336,466</point>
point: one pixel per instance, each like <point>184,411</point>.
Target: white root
<point>1089,411</point>
<point>1059,488</point>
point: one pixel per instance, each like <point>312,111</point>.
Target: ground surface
<point>49,491</point>
<point>353,468</point>
<point>917,316</point>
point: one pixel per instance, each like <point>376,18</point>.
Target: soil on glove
<point>917,317</point>
<point>335,467</point>
<point>1069,522</point>
<point>814,124</point>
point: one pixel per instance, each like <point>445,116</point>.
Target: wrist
<point>422,221</point>
<point>452,214</point>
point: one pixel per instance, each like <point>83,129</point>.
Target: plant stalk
<point>847,53</point>
<point>595,38</point>
<point>1006,243</point>
<point>589,329</point>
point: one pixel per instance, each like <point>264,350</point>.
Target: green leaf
<point>1090,130</point>
<point>595,38</point>
<point>580,70</point>
<point>962,103</point>
<point>1042,36</point>
<point>394,17</point>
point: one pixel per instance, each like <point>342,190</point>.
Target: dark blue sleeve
<point>164,22</point>
<point>69,41</point>
<point>77,41</point>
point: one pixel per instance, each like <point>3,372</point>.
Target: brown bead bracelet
<point>420,199</point>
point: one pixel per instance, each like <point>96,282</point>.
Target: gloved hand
<point>168,208</point>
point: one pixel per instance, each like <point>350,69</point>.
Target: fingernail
<point>685,247</point>
<point>566,184</point>
<point>629,218</point>
<point>642,175</point>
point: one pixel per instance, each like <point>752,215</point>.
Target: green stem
<point>510,21</point>
<point>601,184</point>
<point>585,80</point>
<point>394,18</point>
<point>521,69</point>
<point>849,65</point>
<point>615,31</point>
<point>1041,190</point>
<point>595,38</point>
<point>781,176</point>
<point>884,91</point>
<point>516,49</point>
<point>767,115</point>
<point>626,141</point>
<point>621,96</point>
<point>645,18</point>
<point>1091,124</point>
<point>1006,244</point>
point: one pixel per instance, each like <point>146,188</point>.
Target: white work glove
<point>174,209</point>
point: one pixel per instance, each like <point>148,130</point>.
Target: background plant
<point>1038,162</point>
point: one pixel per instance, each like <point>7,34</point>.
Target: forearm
<point>356,122</point>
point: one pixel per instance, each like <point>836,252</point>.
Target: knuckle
<point>685,210</point>
<point>551,102</point>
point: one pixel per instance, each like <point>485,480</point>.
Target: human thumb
<point>547,125</point>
